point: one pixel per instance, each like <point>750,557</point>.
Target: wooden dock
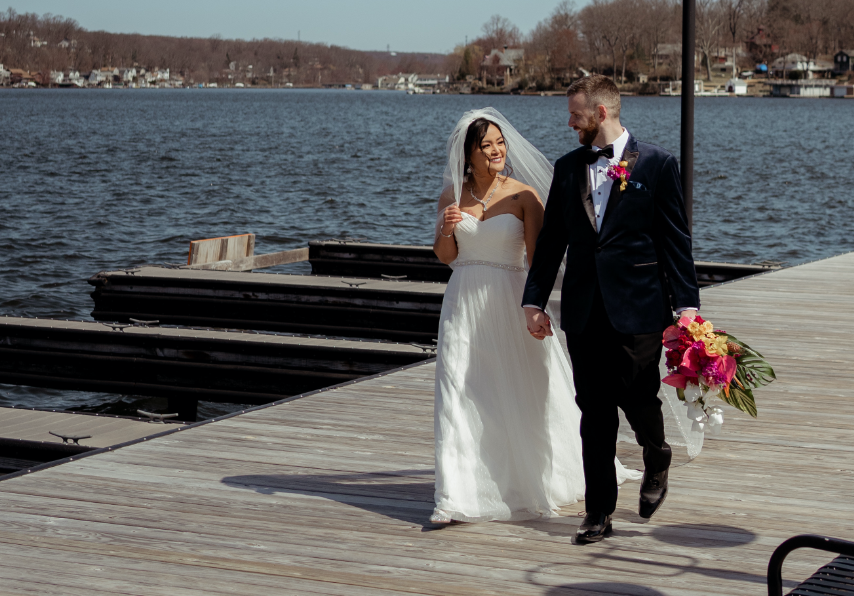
<point>330,493</point>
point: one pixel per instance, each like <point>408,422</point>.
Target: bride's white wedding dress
<point>507,427</point>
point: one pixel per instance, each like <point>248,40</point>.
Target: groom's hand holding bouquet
<point>709,367</point>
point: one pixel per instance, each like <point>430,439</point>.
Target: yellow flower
<point>715,344</point>
<point>699,332</point>
<point>624,164</point>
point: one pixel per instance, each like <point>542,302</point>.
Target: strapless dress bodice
<point>499,240</point>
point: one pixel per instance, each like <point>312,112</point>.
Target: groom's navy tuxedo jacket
<point>640,259</point>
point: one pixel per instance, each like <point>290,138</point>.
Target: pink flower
<point>713,374</point>
<point>676,380</point>
<point>728,366</point>
<point>671,337</point>
<point>674,357</point>
<point>692,360</point>
<point>685,321</point>
<point>617,173</point>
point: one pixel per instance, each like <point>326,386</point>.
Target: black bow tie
<point>592,155</point>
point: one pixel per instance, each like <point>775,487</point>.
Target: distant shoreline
<point>385,91</point>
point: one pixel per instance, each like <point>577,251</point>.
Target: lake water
<point>103,179</point>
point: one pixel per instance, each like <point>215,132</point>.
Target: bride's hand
<point>453,216</point>
<point>539,324</point>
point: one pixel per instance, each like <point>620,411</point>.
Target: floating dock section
<point>364,259</point>
<point>30,437</point>
<point>186,365</point>
<point>404,311</point>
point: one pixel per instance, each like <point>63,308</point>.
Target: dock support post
<point>186,408</point>
<point>689,38</point>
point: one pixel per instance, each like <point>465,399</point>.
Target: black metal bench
<point>836,578</point>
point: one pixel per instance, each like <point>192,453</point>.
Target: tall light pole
<point>689,39</point>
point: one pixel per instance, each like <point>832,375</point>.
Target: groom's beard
<point>589,133</point>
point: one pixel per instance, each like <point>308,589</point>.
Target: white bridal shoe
<point>440,517</point>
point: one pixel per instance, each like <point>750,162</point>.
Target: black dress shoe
<point>594,528</point>
<point>652,493</point>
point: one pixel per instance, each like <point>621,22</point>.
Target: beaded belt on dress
<point>488,264</point>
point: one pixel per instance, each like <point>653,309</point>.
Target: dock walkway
<point>329,494</point>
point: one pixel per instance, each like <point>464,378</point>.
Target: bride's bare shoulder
<point>522,192</point>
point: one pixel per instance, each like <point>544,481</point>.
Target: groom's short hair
<point>599,90</point>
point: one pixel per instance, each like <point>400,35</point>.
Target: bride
<point>506,425</point>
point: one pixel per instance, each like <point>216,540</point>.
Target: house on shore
<point>502,67</point>
<point>18,76</point>
<point>398,82</point>
<point>801,88</point>
<point>843,62</point>
<point>4,76</point>
<point>127,75</point>
<point>737,86</point>
<point>785,66</point>
<point>431,81</point>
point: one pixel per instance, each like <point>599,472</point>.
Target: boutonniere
<point>620,173</point>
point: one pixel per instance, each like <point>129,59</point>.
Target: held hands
<point>453,216</point>
<point>539,324</point>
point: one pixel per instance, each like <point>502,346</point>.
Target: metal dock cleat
<point>68,438</point>
<point>155,418</point>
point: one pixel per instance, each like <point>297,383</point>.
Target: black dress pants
<point>612,370</point>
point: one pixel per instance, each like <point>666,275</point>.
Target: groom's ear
<point>602,112</point>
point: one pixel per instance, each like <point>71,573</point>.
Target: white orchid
<point>696,412</point>
<point>716,420</point>
<point>693,393</point>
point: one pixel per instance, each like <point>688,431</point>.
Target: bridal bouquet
<point>710,367</point>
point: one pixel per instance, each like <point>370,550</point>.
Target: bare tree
<point>553,50</point>
<point>710,26</point>
<point>629,30</point>
<point>656,23</point>
<point>601,20</point>
<point>499,32</point>
<point>733,14</point>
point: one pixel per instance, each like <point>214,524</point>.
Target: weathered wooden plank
<point>223,248</point>
<point>255,262</point>
<point>109,570</point>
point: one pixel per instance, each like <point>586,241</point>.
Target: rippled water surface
<point>95,180</point>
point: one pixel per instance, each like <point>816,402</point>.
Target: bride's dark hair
<point>474,137</point>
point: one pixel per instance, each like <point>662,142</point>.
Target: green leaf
<point>680,393</point>
<point>752,364</point>
<point>740,399</point>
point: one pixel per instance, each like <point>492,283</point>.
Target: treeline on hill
<point>620,38</point>
<point>46,43</point>
<point>624,37</point>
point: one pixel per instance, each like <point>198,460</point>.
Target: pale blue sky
<point>407,26</point>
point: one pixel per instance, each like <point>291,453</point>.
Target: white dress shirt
<point>600,186</point>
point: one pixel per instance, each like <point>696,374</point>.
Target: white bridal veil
<point>531,167</point>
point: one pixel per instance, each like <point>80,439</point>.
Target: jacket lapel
<point>630,155</point>
<point>585,191</point>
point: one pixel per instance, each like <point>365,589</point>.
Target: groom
<point>628,267</point>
